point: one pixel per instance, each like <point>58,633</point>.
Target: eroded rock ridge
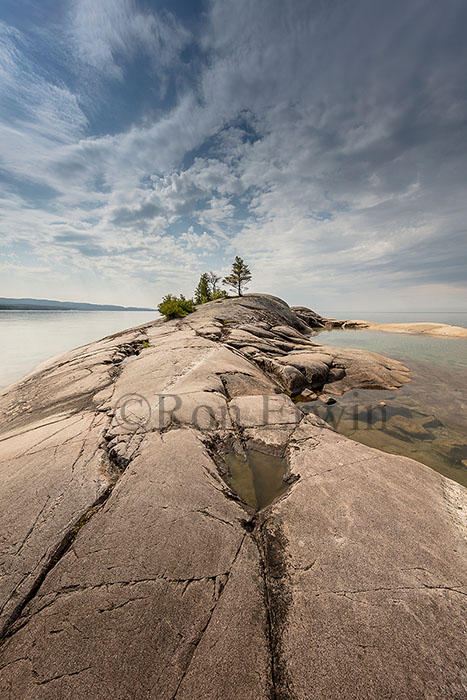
<point>130,569</point>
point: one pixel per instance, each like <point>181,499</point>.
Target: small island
<point>142,550</point>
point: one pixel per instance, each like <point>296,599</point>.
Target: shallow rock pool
<point>257,477</point>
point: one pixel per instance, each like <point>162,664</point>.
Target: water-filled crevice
<point>258,478</point>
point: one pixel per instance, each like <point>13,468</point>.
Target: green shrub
<point>172,306</point>
<point>219,294</point>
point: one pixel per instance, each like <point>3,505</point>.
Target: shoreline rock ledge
<point>130,569</point>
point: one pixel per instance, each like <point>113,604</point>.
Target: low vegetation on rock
<point>172,306</point>
<point>207,290</point>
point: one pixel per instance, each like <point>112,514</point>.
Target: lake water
<point>27,338</point>
<point>425,419</point>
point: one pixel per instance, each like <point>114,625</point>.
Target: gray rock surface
<point>130,569</point>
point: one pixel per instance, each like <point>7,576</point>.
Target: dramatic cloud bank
<point>142,144</point>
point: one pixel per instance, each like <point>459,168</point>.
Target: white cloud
<point>327,159</point>
<point>108,32</point>
<point>200,241</point>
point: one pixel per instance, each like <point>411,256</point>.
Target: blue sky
<point>142,143</point>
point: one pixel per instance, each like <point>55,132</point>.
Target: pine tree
<point>239,276</point>
<point>213,280</point>
<point>202,292</point>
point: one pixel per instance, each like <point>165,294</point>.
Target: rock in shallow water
<point>328,400</point>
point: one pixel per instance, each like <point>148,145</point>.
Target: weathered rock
<point>239,384</point>
<point>365,592</point>
<point>257,330</point>
<point>289,332</point>
<point>334,323</point>
<point>250,351</point>
<point>315,366</point>
<point>309,394</point>
<point>211,331</point>
<point>282,345</point>
<point>129,568</point>
<point>311,318</point>
<point>290,377</point>
<point>355,324</point>
<point>328,400</point>
<point>364,370</point>
<point>335,374</point>
<point>252,411</point>
<point>239,339</point>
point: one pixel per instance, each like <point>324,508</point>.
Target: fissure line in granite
<point>114,470</point>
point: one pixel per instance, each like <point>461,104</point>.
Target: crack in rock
<point>10,627</point>
<point>271,544</point>
<point>218,594</point>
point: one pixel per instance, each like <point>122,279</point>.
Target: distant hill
<point>7,304</point>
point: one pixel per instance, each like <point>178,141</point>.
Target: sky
<point>144,142</point>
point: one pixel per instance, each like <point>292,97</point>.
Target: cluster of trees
<point>208,289</point>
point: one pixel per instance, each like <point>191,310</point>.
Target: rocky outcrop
<point>437,330</point>
<point>313,320</point>
<point>131,569</point>
<point>309,317</point>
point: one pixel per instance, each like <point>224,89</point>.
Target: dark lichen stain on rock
<point>272,547</point>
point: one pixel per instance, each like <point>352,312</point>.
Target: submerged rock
<point>131,568</point>
<point>433,422</point>
<point>406,427</point>
<point>455,449</point>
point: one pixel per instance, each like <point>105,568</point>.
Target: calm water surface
<point>425,419</point>
<point>30,337</point>
<point>257,477</point>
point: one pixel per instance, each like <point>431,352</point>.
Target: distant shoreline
<point>64,306</point>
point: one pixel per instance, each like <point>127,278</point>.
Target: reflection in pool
<point>258,478</point>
